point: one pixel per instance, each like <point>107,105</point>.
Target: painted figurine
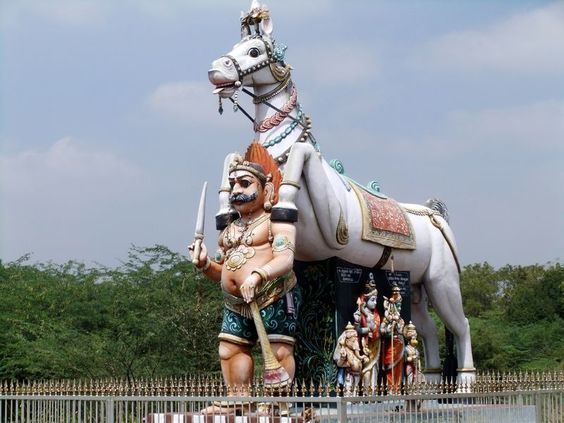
<point>348,359</point>
<point>367,324</point>
<point>254,267</point>
<point>391,330</point>
<point>412,361</point>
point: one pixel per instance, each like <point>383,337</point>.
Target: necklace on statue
<point>240,247</point>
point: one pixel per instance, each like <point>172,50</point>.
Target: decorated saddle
<point>384,221</point>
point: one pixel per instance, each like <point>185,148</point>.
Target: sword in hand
<point>200,223</point>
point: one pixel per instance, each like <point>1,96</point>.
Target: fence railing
<point>513,397</point>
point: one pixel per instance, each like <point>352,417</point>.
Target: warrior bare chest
<point>241,240</point>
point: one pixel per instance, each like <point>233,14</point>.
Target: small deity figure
<point>254,265</point>
<point>367,324</point>
<point>412,361</point>
<point>391,330</point>
<point>348,359</point>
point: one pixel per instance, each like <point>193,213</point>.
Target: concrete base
<point>217,418</point>
<point>399,412</point>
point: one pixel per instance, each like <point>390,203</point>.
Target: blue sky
<point>108,126</point>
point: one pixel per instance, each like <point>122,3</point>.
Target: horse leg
<point>225,210</point>
<point>304,160</point>
<point>443,287</point>
<point>427,329</point>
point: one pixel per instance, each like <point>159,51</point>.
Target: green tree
<point>479,287</point>
<point>533,293</point>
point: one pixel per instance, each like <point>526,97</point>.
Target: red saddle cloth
<point>384,221</point>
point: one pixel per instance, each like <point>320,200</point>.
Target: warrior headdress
<point>260,163</point>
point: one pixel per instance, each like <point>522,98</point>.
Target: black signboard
<point>385,279</point>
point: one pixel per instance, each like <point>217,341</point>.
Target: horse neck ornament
<point>330,216</point>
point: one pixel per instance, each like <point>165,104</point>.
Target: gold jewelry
<point>239,164</point>
<point>240,248</point>
<point>281,243</point>
<point>237,257</point>
<point>262,273</point>
<point>267,206</point>
<point>219,256</point>
<point>232,241</point>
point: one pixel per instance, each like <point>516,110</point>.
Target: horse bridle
<point>242,73</point>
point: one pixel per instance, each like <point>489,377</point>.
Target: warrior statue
<point>367,324</point>
<point>391,329</point>
<point>254,267</point>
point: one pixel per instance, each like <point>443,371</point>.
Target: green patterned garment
<point>280,325</point>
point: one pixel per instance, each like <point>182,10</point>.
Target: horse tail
<point>439,206</point>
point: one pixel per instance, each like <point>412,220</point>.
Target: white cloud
<point>540,124</point>
<point>536,127</point>
<point>91,12</point>
<point>65,12</point>
<point>192,103</point>
<point>68,200</point>
<point>341,64</point>
<point>182,101</point>
<point>65,169</point>
<point>531,42</point>
<point>171,8</point>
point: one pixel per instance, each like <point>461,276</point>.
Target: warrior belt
<point>269,293</point>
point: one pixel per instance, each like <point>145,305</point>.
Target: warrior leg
<point>236,364</point>
<point>237,369</point>
<point>284,353</point>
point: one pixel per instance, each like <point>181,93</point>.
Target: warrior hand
<point>203,254</point>
<point>249,286</point>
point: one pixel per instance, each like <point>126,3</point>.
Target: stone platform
<point>218,418</point>
<point>431,411</point>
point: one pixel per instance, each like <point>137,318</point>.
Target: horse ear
<point>255,4</point>
<point>267,26</point>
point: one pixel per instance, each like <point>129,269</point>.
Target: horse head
<point>256,60</point>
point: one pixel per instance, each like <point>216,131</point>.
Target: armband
<point>219,256</point>
<point>281,243</point>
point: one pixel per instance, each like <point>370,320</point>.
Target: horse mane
<point>257,153</point>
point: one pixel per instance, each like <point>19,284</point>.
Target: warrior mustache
<point>243,198</point>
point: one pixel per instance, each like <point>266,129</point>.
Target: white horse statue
<point>326,205</point>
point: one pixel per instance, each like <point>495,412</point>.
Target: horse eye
<point>254,52</point>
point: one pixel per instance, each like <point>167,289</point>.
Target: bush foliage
<point>154,316</point>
